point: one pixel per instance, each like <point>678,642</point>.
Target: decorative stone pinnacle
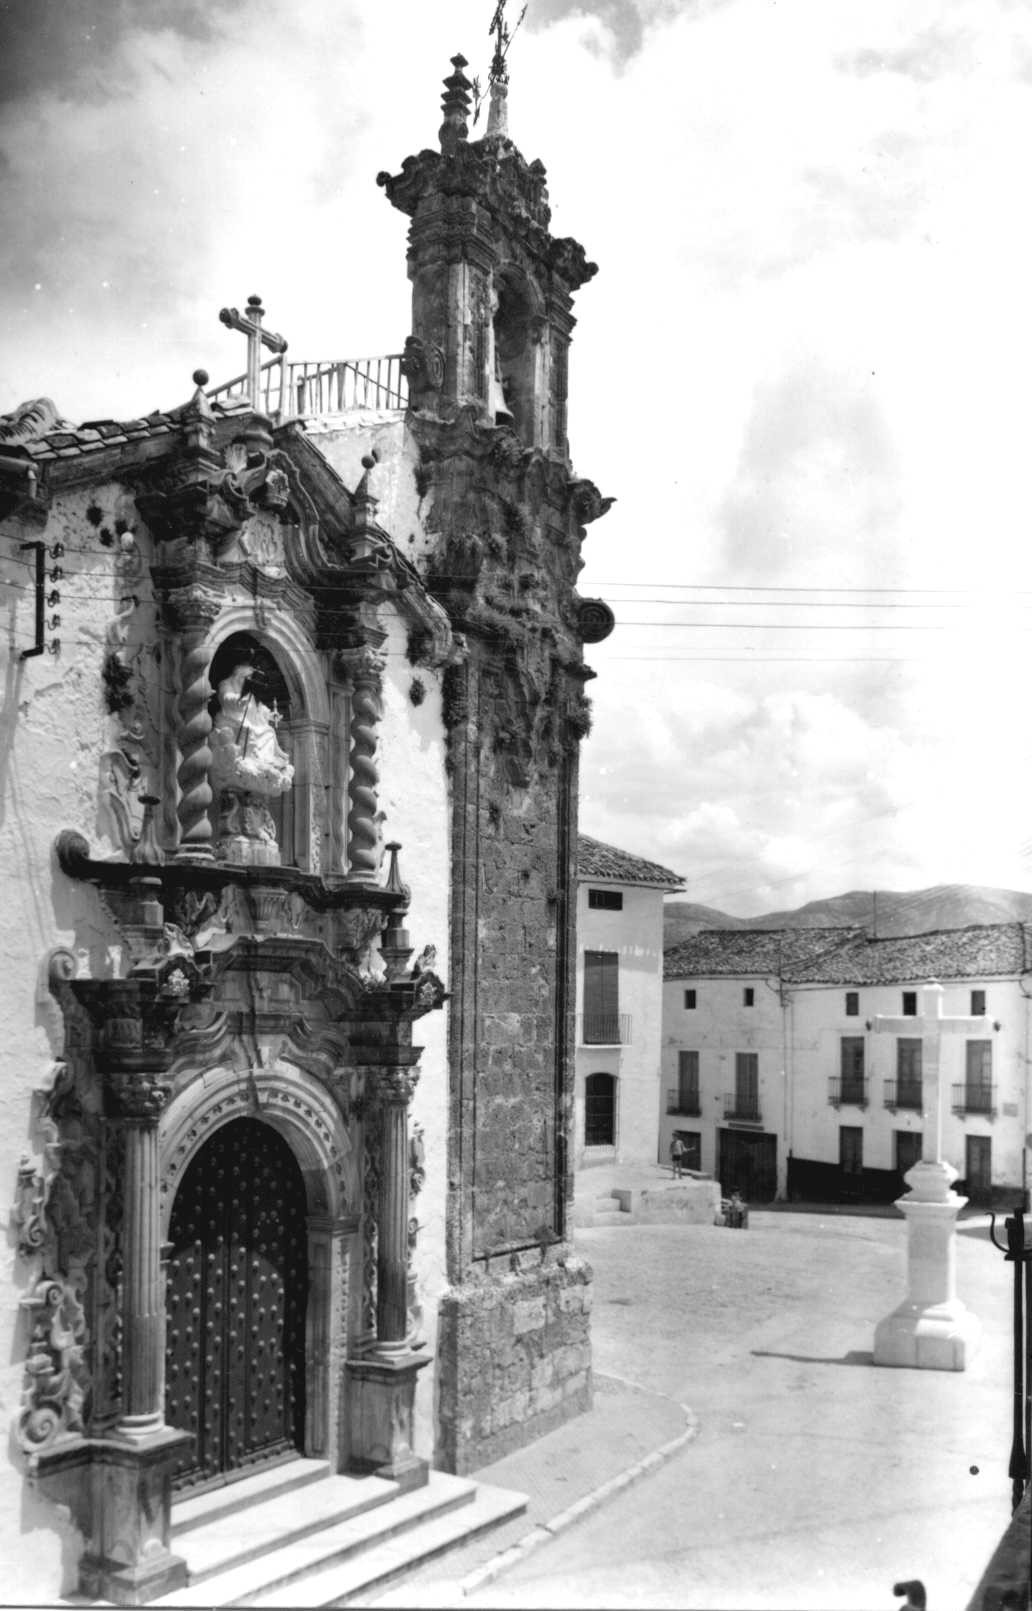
<point>455,104</point>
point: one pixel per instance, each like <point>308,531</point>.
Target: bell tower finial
<point>498,77</point>
<point>455,105</point>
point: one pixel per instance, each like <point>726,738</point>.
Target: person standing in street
<point>676,1156</point>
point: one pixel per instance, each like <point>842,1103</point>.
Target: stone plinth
<point>381,1403</point>
<point>128,1560</point>
<point>931,1329</point>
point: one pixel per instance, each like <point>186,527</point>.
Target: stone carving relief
<point>56,1215</point>
<point>56,1379</point>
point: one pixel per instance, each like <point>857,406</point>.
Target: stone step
<point>195,1510</point>
<point>268,1555</point>
<point>231,1539</point>
<point>362,1579</point>
<point>609,1216</point>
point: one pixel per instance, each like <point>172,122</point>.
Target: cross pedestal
<point>931,1329</point>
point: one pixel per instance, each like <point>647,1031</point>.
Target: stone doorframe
<point>306,1116</point>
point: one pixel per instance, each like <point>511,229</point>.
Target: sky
<point>801,369</point>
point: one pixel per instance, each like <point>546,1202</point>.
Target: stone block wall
<point>514,1361</point>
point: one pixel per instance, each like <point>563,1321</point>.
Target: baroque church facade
<point>295,692</point>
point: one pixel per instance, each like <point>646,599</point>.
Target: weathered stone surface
<point>514,1361</point>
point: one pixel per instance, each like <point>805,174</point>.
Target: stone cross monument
<point>931,1329</point>
<point>250,325</point>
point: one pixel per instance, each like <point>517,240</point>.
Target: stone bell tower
<point>504,518</point>
<point>492,290</point>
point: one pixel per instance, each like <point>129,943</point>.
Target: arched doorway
<point>237,1296</point>
<point>600,1110</point>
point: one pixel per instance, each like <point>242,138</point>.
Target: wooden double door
<point>237,1294</point>
<point>747,1163</point>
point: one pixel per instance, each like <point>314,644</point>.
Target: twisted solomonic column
<point>193,610</point>
<point>364,669</point>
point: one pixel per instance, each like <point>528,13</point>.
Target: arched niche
<point>517,321</point>
<point>289,679</point>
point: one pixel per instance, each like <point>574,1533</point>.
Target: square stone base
<point>128,1560</point>
<point>942,1337</point>
<point>381,1403</point>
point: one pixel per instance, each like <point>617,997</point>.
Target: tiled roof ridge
<point>853,956</point>
<point>57,438</point>
<point>593,861</point>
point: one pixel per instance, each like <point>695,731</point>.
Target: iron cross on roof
<point>257,338</point>
<point>931,1025</point>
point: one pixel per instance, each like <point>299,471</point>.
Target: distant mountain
<point>891,912</point>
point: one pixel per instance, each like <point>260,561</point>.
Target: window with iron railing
<point>744,1101</point>
<point>905,1091</point>
<point>685,1099</point>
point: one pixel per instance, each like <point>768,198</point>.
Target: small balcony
<point>683,1102</point>
<point>975,1099</point>
<point>904,1094</point>
<point>604,1029</point>
<point>847,1092</point>
<point>743,1106</point>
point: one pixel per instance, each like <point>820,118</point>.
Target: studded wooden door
<point>237,1291</point>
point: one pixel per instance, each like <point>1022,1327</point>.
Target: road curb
<point>543,1531</point>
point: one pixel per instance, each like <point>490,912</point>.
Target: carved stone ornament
<point>417,1161</point>
<point>29,1206</point>
<point>139,1094</point>
<point>396,1084</point>
<point>422,364</point>
<point>595,620</point>
<point>56,1382</point>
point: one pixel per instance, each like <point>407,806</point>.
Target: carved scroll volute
<point>364,669</point>
<point>192,611</point>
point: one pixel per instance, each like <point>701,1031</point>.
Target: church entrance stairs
<point>298,1535</point>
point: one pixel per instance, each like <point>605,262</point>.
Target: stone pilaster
<point>383,1383</point>
<point>141,1099</point>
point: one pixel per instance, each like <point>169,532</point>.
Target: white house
<point>781,1081</point>
<point>619,1003</point>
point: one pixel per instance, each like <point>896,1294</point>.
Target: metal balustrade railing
<point>847,1091</point>
<point>604,1029</point>
<point>686,1102</point>
<point>975,1099</point>
<point>904,1094</point>
<point>321,386</point>
<point>741,1107</point>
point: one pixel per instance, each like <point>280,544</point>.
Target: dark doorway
<point>851,1162</point>
<point>236,1299</point>
<point>978,1160</point>
<point>907,1145</point>
<point>747,1163</point>
<point>600,1110</point>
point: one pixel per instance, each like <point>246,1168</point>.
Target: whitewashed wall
<point>636,935</point>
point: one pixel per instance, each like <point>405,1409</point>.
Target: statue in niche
<point>248,767</point>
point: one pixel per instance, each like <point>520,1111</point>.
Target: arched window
<point>600,1110</point>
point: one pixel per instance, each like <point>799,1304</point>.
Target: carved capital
<point>362,666</point>
<point>138,1094</point>
<point>395,1085</point>
<point>192,608</point>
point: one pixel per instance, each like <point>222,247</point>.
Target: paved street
<point>816,1479</point>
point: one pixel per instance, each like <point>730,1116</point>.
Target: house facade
<point>800,1063</point>
<point>619,1003</point>
<point>294,694</point>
